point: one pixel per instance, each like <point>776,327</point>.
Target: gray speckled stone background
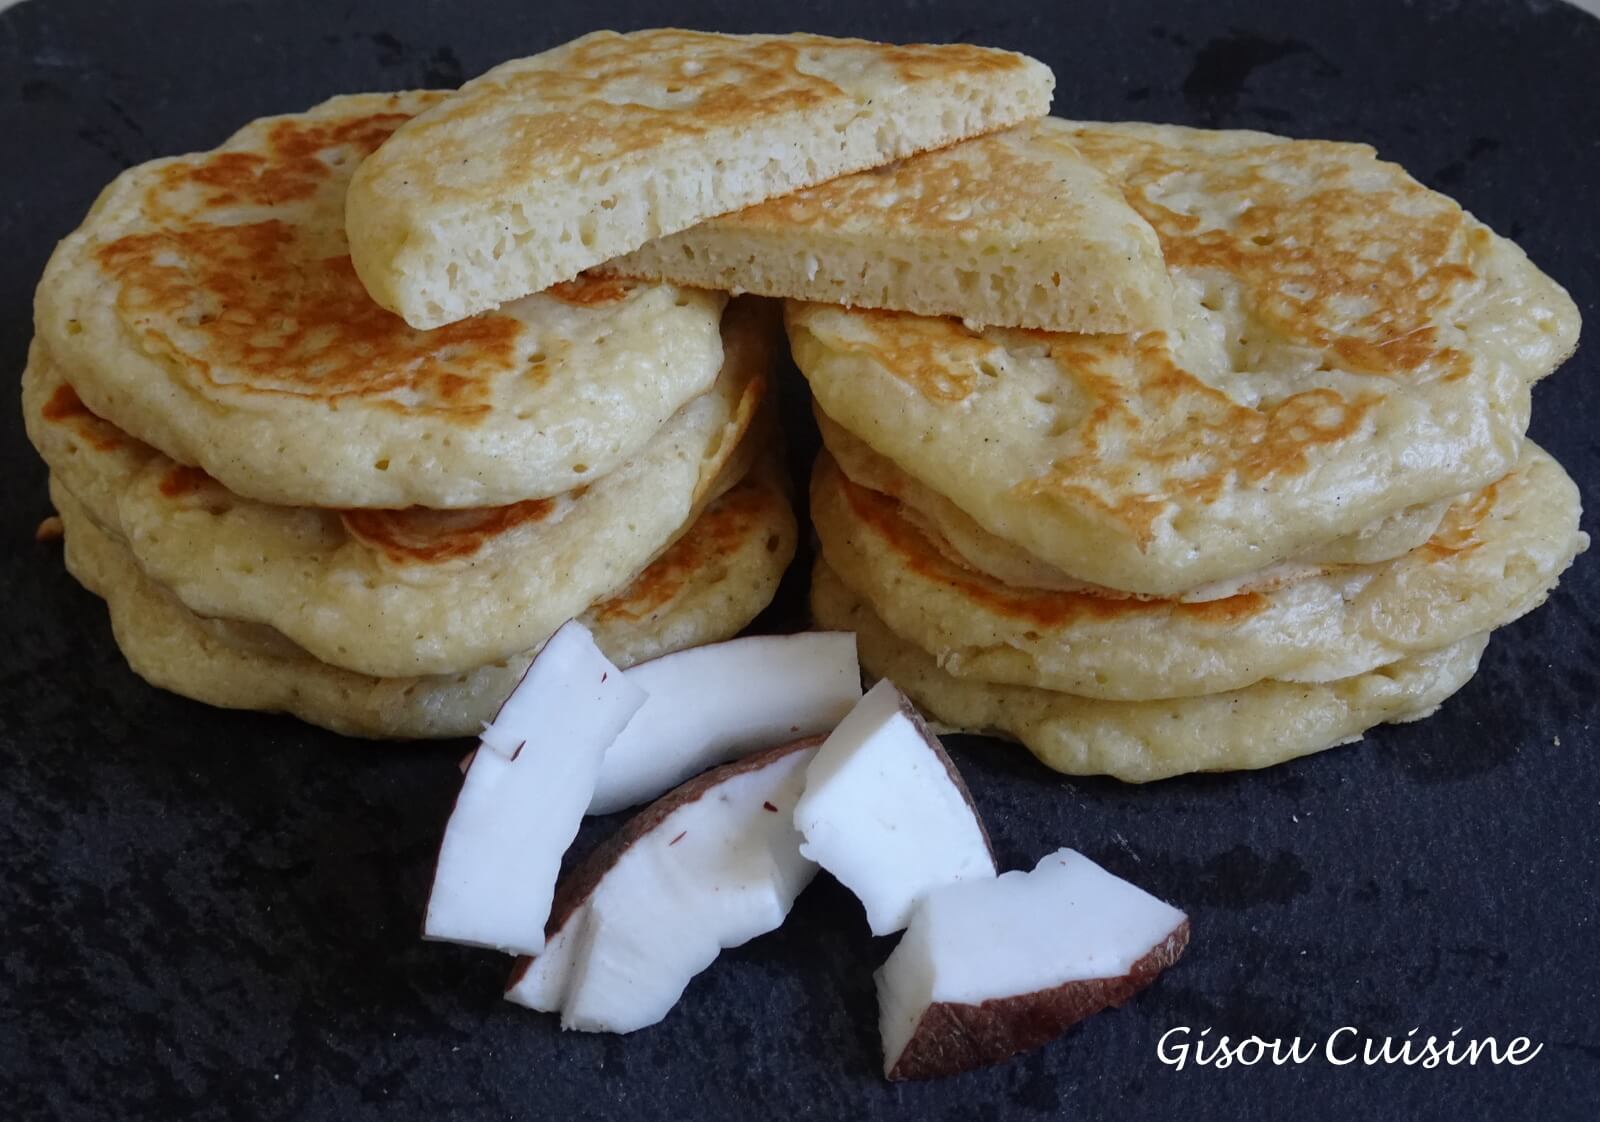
<point>214,915</point>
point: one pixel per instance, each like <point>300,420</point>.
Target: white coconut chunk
<point>540,981</point>
<point>885,811</point>
<point>711,865</point>
<point>712,704</point>
<point>568,659</point>
<point>518,811</point>
<point>992,968</point>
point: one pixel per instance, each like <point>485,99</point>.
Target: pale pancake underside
<point>1139,741</point>
<point>706,588</point>
<point>407,592</point>
<point>207,305</point>
<point>1495,556</point>
<point>548,165</point>
<point>1346,346</point>
<point>1011,228</point>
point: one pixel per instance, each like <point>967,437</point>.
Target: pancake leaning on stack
<point>287,495</point>
<point>549,165</point>
<point>1243,524</point>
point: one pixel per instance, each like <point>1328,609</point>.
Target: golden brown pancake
<point>1140,741</point>
<point>1495,556</point>
<point>415,591</point>
<point>971,545</point>
<point>711,583</point>
<point>208,306</point>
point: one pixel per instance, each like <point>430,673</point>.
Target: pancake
<point>1139,741</point>
<point>546,166</point>
<point>707,587</point>
<point>207,306</point>
<point>1012,228</point>
<point>1346,344</point>
<point>1495,557</point>
<point>415,591</point>
<point>969,544</point>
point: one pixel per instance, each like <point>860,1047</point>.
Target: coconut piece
<point>568,656</point>
<point>992,968</point>
<point>711,704</point>
<point>519,808</point>
<point>885,810</point>
<point>713,864</point>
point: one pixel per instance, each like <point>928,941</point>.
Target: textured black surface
<point>214,915</point>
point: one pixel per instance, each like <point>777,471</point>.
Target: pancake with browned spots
<point>414,591</point>
<point>1494,557</point>
<point>1139,741</point>
<point>707,587</point>
<point>1347,344</point>
<point>208,307</point>
<point>549,165</point>
<point>969,544</point>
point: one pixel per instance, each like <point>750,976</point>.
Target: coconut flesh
<point>712,864</point>
<point>886,812</point>
<point>990,968</point>
<point>711,704</point>
<point>524,795</point>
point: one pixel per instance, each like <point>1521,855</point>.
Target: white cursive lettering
<point>1180,1047</point>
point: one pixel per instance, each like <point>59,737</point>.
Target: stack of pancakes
<point>1288,507</point>
<point>292,500</point>
<point>1159,449</point>
<point>338,424</point>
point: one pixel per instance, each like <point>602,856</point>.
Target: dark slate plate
<point>214,915</point>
